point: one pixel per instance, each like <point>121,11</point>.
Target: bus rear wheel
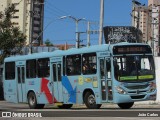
<point>32,101</point>
<point>65,106</point>
<point>90,101</point>
<point>125,105</point>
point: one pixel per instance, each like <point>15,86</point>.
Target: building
<point>64,46</point>
<point>140,20</point>
<point>146,18</point>
<point>154,5</point>
<point>29,17</point>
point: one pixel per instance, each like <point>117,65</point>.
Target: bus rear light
<point>120,90</point>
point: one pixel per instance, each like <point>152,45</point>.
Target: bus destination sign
<point>140,49</point>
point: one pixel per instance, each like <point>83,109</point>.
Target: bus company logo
<point>138,91</point>
<point>6,114</point>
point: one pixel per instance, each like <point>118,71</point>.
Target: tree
<point>11,38</point>
<point>48,43</point>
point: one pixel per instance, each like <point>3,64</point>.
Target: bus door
<point>57,81</point>
<point>20,82</point>
<point>106,83</point>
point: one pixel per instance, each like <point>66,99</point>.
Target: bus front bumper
<point>125,98</point>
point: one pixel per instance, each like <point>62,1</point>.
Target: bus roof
<point>72,51</point>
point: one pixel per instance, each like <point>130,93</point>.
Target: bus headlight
<point>120,90</point>
<point>152,87</point>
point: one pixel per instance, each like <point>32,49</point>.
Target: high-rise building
<point>29,15</point>
<point>146,18</point>
<point>140,20</point>
<point>154,5</point>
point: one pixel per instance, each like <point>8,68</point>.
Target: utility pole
<point>77,34</point>
<point>88,34</point>
<point>30,27</point>
<point>89,31</point>
<point>101,22</point>
<point>78,38</point>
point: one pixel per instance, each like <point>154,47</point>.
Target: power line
<point>50,7</point>
<point>52,11</point>
<point>58,9</point>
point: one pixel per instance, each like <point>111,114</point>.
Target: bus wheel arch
<point>32,101</point>
<point>89,99</point>
<point>87,90</point>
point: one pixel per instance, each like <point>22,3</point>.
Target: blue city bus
<point>121,73</point>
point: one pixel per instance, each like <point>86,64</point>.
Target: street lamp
<point>36,40</point>
<point>76,21</point>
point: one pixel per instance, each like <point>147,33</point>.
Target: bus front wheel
<point>125,105</point>
<point>32,101</point>
<point>90,101</point>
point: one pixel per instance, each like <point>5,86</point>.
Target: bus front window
<point>134,68</point>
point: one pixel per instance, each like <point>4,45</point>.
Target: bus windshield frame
<point>134,68</point>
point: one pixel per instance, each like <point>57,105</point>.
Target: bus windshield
<point>134,68</point>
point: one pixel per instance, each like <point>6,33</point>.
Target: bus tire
<point>90,101</point>
<point>32,101</point>
<point>65,106</point>
<point>125,105</point>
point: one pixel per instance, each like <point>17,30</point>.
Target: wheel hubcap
<point>91,100</point>
<point>32,100</point>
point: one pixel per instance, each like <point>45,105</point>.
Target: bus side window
<point>59,72</point>
<point>116,69</point>
<point>102,72</point>
<point>31,68</point>
<point>108,66</point>
<point>43,67</point>
<point>10,70</point>
<point>54,72</point>
<point>73,65</point>
<point>89,63</point>
<point>64,66</point>
<point>69,65</point>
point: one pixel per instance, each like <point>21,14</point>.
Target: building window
<point>15,17</point>
<point>16,10</point>
<point>15,23</point>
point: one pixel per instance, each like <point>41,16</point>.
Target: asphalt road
<point>107,111</point>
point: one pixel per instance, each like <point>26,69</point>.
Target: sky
<point>61,31</point>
